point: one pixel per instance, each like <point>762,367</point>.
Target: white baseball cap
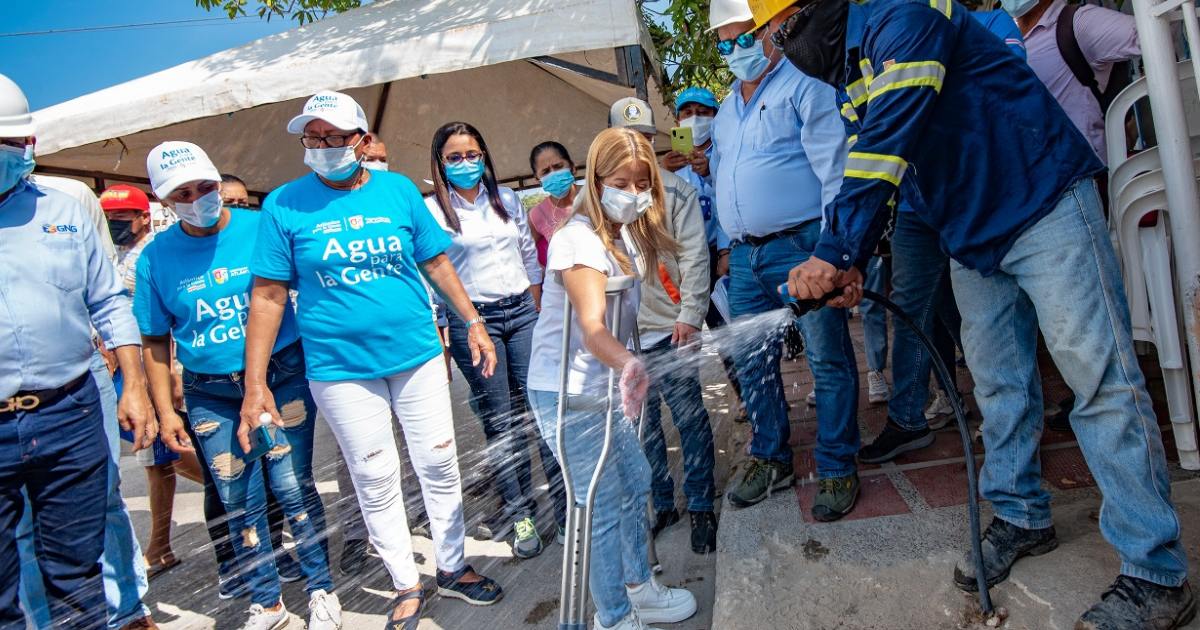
<point>633,113</point>
<point>173,164</point>
<point>335,108</point>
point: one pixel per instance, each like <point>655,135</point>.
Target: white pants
<point>360,414</point>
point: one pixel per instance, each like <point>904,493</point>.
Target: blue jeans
<point>59,454</point>
<point>921,288</point>
<point>875,323</point>
<point>1062,276</point>
<point>122,567</point>
<point>619,527</point>
<point>678,384</point>
<point>756,272</point>
<point>214,407</point>
<point>499,403</point>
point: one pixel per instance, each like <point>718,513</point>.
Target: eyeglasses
<point>745,40</point>
<point>455,158</point>
<point>793,23</point>
<point>333,142</point>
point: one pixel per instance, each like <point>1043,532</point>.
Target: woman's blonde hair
<point>612,149</point>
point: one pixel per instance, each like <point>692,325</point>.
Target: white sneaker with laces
<point>811,398</point>
<point>263,619</point>
<point>631,622</point>
<point>324,611</point>
<point>656,603</point>
<point>878,390</point>
<point>939,409</point>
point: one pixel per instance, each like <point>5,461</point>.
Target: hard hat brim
<point>18,130</point>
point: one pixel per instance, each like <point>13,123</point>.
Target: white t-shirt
<point>575,244</point>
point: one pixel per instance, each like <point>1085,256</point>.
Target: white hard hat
<point>722,12</point>
<point>15,121</point>
<point>173,164</point>
<point>335,108</point>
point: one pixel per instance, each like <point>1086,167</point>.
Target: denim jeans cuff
<point>701,506</point>
<point>1025,523</point>
<point>1157,577</point>
<point>140,612</point>
<point>639,574</point>
<point>835,473</point>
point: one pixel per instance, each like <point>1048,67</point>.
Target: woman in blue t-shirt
<point>494,254</point>
<point>354,243</point>
<point>193,284</point>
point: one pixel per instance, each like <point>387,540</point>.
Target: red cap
<point>122,197</point>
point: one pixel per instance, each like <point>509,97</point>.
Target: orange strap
<point>672,290</point>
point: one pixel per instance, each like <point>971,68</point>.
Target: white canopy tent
<point>522,71</point>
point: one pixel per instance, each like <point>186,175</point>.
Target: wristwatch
<point>478,319</point>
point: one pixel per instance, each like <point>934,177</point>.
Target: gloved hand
<point>635,381</point>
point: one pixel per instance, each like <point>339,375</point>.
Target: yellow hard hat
<point>764,10</point>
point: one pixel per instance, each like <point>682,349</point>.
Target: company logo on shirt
<point>327,227</point>
<point>230,313</point>
<point>369,259</point>
<point>220,275</point>
<point>191,285</point>
<point>59,229</point>
<point>356,222</point>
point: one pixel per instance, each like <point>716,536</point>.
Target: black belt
<point>503,302</point>
<point>31,399</point>
<point>759,241</point>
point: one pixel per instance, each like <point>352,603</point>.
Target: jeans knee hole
<point>279,451</point>
<point>227,467</point>
<point>293,414</point>
<point>207,427</point>
<point>250,538</point>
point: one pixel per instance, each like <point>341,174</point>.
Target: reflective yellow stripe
<point>857,92</point>
<point>848,112</point>
<point>944,6</point>
<point>889,168</point>
<point>868,72</point>
<point>908,74</point>
<point>851,140</point>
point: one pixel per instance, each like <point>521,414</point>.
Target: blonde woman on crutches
<point>616,230</point>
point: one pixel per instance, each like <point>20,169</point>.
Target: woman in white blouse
<point>494,254</point>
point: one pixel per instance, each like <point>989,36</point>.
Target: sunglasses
<point>455,158</point>
<point>793,23</point>
<point>745,40</point>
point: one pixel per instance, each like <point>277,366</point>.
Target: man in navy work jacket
<point>1012,198</point>
<point>56,284</point>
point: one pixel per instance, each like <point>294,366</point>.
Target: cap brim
<point>184,176</point>
<point>297,124</point>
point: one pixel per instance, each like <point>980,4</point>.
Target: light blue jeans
<point>619,525</point>
<point>122,568</point>
<point>875,320</point>
<point>1062,276</point>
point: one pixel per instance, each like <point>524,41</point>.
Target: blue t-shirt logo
<point>383,257</point>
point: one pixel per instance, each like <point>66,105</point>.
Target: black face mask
<point>816,44</point>
<point>121,231</point>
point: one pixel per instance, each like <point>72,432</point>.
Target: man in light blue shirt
<point>56,285</point>
<point>780,151</point>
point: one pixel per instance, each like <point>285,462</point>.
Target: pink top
<point>546,218</point>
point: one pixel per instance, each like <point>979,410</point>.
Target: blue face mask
<point>466,174</point>
<point>1017,8</point>
<point>15,165</point>
<point>558,183</point>
<point>748,64</point>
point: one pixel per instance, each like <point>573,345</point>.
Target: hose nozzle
<point>804,307</point>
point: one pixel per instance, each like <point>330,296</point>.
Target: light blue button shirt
<point>779,158</point>
<point>55,285</point>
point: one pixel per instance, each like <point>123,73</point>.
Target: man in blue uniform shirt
<point>56,285</point>
<point>1012,197</point>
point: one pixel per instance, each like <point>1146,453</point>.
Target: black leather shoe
<point>662,520</point>
<point>892,442</point>
<point>1134,603</point>
<point>704,532</point>
<point>1003,544</point>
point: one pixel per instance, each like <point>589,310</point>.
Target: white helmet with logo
<point>723,12</point>
<point>15,121</point>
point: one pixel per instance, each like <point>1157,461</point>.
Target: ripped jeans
<point>214,406</point>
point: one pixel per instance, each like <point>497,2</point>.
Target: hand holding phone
<point>681,140</point>
<point>261,440</point>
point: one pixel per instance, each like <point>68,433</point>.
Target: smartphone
<point>681,140</point>
<point>261,442</point>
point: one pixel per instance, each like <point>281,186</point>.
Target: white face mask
<point>375,165</point>
<point>624,207</point>
<point>701,128</point>
<point>336,165</point>
<point>204,212</point>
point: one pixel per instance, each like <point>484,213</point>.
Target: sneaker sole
<point>899,450</point>
<point>1037,550</point>
<point>668,615</point>
<point>445,592</point>
<point>836,516</point>
<point>526,555</point>
<point>781,484</point>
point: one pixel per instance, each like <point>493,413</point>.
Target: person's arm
<point>156,354</point>
<point>1106,36</point>
<point>902,98</point>
<point>525,242</point>
<point>692,258</point>
<point>268,299</point>
<point>445,282</point>
<point>585,288</point>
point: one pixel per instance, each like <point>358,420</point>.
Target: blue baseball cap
<point>696,95</point>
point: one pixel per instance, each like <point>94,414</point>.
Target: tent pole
<point>377,123</point>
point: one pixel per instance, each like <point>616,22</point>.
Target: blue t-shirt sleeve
<point>273,248</point>
<point>152,315</point>
<point>429,239</point>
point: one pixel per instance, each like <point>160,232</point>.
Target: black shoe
<point>288,569</point>
<point>1003,544</point>
<point>892,442</point>
<point>354,557</point>
<point>662,520</point>
<point>704,532</point>
<point>1132,603</point>
<point>1057,417</point>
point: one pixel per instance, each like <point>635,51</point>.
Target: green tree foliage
<point>302,11</point>
<point>687,50</point>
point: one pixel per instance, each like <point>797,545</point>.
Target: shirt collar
<point>458,201</point>
<point>23,186</point>
<point>1050,16</point>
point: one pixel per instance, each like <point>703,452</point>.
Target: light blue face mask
<point>465,174</point>
<point>1017,8</point>
<point>558,183</point>
<point>750,63</point>
<point>15,165</point>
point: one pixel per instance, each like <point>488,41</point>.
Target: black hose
<point>801,307</point>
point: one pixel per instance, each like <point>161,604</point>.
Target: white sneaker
<point>263,619</point>
<point>324,611</point>
<point>878,390</point>
<point>631,622</point>
<point>811,398</point>
<point>656,603</point>
<point>939,408</point>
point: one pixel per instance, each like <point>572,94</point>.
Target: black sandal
<point>412,621</point>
